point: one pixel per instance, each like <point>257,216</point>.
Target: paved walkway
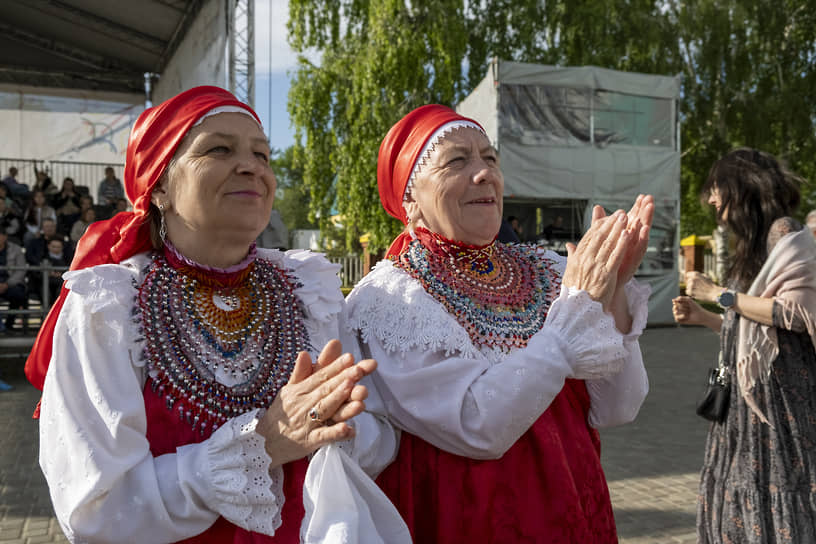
<point>651,465</point>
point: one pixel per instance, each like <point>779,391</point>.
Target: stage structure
<point>573,137</point>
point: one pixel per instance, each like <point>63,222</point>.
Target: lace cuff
<point>637,299</point>
<point>246,492</point>
<point>594,345</point>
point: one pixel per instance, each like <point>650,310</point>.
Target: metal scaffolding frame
<point>241,21</point>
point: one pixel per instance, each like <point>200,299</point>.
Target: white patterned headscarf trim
<point>224,109</point>
<point>430,146</point>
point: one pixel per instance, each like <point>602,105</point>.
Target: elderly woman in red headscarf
<point>180,399</point>
<point>498,361</point>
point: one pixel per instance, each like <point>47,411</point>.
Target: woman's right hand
<point>330,388</point>
<point>593,264</point>
<point>687,312</point>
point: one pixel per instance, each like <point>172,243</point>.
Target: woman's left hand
<point>639,223</point>
<point>594,264</point>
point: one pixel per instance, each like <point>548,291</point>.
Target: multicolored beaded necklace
<point>244,324</point>
<point>499,293</point>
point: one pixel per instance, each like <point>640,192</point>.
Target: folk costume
<point>156,369</point>
<point>497,374</point>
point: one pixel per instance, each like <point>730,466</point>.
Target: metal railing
<point>351,269</point>
<point>87,174</point>
<point>35,308</point>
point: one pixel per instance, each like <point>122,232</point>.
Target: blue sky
<point>274,60</point>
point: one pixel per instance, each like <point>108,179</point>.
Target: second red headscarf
<point>153,141</point>
<point>398,155</point>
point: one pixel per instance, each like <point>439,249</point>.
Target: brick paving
<point>652,465</point>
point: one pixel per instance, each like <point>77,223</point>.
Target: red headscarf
<point>154,139</point>
<point>399,152</point>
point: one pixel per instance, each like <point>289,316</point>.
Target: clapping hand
<point>594,264</point>
<point>312,409</point>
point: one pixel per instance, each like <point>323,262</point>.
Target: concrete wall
<point>201,58</point>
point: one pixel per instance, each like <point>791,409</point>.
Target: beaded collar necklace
<point>499,293</point>
<point>218,343</point>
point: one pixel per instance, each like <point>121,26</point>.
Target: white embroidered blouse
<point>474,402</point>
<point>105,484</point>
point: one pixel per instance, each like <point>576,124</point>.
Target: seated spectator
<point>15,188</point>
<point>81,225</point>
<point>38,211</point>
<point>121,206</point>
<point>36,251</point>
<point>12,282</point>
<point>109,191</point>
<point>66,204</point>
<point>57,257</point>
<point>44,183</point>
<point>9,222</point>
<point>36,247</point>
<point>11,204</point>
<point>555,230</point>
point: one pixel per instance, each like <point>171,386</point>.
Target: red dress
<point>548,487</point>
<point>166,432</point>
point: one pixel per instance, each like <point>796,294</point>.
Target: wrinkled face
<point>715,199</point>
<point>458,193</point>
<point>220,180</point>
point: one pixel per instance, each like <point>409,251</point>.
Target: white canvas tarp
<point>592,135</point>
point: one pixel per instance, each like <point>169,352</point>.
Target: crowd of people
<point>217,391</point>
<point>41,225</point>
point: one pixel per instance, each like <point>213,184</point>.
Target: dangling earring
<point>162,224</point>
<point>410,228</point>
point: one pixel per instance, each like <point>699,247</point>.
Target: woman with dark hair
<point>38,210</point>
<point>758,481</point>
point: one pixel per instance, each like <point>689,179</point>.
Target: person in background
<point>12,282</point>
<point>45,184</point>
<point>498,361</point>
<point>555,230</point>
<point>110,190</point>
<point>810,220</point>
<point>66,205</point>
<point>81,225</point>
<point>9,222</point>
<point>758,482</point>
<point>516,224</point>
<point>17,190</point>
<point>57,258</point>
<point>507,233</point>
<point>120,206</point>
<point>38,212</point>
<point>180,399</point>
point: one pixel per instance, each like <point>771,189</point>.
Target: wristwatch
<point>726,299</point>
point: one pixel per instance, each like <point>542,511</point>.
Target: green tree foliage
<point>747,68</point>
<point>749,79</point>
<point>291,196</point>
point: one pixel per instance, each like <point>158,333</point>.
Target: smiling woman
<point>497,360</point>
<point>180,402</point>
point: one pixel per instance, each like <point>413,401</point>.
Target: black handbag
<point>714,404</point>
